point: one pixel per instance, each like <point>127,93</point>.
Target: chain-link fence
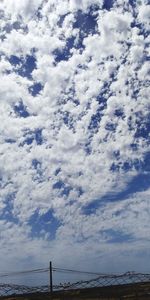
<point>97,280</point>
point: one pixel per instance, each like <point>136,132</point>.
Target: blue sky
<point>75,134</point>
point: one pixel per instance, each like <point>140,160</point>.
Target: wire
<point>24,272</point>
<point>43,270</point>
<point>76,271</point>
<point>60,270</point>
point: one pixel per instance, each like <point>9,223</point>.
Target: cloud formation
<point>74,133</point>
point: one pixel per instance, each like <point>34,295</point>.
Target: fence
<point>100,280</point>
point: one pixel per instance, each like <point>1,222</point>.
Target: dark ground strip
<point>117,292</point>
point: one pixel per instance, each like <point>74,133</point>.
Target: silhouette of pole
<point>51,277</point>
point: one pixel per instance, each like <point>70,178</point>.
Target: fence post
<point>51,277</point>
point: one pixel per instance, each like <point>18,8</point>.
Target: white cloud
<point>143,16</point>
<point>83,4</point>
<point>24,8</point>
<point>106,80</point>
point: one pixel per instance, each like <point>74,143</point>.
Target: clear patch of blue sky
<point>42,224</point>
<point>64,54</point>
<point>132,2</point>
<point>21,110</point>
<point>35,89</point>
<point>23,66</point>
<point>108,4</point>
<point>87,23</point>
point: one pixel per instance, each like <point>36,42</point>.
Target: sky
<point>75,134</point>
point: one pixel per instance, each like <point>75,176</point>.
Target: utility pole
<point>51,278</point>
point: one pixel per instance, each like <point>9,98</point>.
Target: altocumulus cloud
<point>74,133</point>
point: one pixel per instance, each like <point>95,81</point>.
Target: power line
<point>44,270</point>
<point>76,271</point>
<point>24,272</point>
<point>54,269</point>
